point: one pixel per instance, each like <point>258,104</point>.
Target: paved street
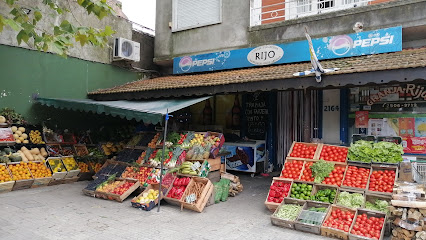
<point>63,212</point>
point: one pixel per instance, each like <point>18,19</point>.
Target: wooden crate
<point>311,228</point>
<point>349,191</point>
<point>344,174</point>
<point>371,197</point>
<point>301,182</point>
<point>272,206</point>
<point>324,186</point>
<point>222,168</point>
<point>56,175</point>
<point>369,214</point>
<point>282,222</point>
<point>358,166</point>
<point>214,176</point>
<point>56,182</point>
<point>214,163</point>
<point>174,201</point>
<point>22,184</point>
<point>199,205</point>
<point>121,198</point>
<point>316,155</point>
<point>147,206</point>
<point>80,148</point>
<point>336,233</point>
<point>71,173</point>
<point>41,182</point>
<point>321,146</point>
<point>382,168</point>
<point>290,159</point>
<point>6,186</point>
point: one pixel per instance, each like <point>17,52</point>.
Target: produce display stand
<point>336,233</point>
<point>282,222</point>
<point>200,203</point>
<point>272,206</point>
<point>317,187</point>
<point>22,184</point>
<point>174,201</point>
<point>116,197</point>
<point>369,214</point>
<point>6,186</point>
<point>382,168</point>
<point>340,190</point>
<point>309,215</point>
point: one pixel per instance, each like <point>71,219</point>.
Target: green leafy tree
<point>59,38</point>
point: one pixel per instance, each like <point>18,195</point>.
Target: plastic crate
<point>419,171</point>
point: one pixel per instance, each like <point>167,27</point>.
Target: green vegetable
<point>301,191</point>
<point>365,151</point>
<point>352,200</point>
<point>289,212</point>
<point>314,209</point>
<point>378,205</point>
<point>324,195</point>
<point>321,170</point>
<point>174,137</point>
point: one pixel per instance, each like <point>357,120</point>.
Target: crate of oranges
<point>41,173</point>
<point>71,166</point>
<point>21,174</point>
<point>6,182</point>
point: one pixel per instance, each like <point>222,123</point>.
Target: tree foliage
<point>59,38</point>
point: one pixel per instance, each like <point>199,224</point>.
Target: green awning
<point>147,111</point>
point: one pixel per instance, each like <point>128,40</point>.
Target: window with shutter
<point>189,14</point>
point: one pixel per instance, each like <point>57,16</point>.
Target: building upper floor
<point>189,27</point>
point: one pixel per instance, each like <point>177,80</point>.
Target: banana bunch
<point>186,168</point>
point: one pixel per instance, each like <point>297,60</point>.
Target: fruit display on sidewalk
<point>20,171</point>
<point>39,170</point>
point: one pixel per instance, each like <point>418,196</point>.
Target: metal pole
<point>162,159</point>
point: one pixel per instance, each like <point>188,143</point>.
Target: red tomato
<point>382,181</point>
<point>340,220</point>
<point>292,169</point>
<point>303,151</point>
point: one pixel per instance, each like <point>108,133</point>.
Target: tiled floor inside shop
<point>63,212</point>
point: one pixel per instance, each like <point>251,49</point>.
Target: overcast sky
<point>140,11</point>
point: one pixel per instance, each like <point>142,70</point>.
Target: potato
<point>18,141</point>
<point>24,135</point>
<point>16,136</point>
<point>21,139</point>
<point>14,128</point>
<point>18,132</point>
<point>26,141</point>
<point>21,129</point>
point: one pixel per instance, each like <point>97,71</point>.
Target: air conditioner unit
<point>125,49</point>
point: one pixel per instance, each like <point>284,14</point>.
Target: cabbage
<point>351,200</point>
<point>378,205</point>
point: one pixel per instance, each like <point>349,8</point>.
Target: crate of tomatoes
<point>382,179</point>
<point>303,151</point>
<point>279,189</point>
<point>338,222</point>
<point>368,225</point>
<point>292,168</point>
<point>356,177</point>
<point>333,153</point>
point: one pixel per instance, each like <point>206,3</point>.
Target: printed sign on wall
<point>356,44</point>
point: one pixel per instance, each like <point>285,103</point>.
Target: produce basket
<point>169,197</point>
<point>382,168</point>
<point>122,197</point>
<point>309,220</point>
<point>318,187</point>
<point>333,232</point>
<point>283,222</point>
<point>80,150</point>
<point>54,150</point>
<point>369,215</point>
<point>371,198</point>
<point>299,187</point>
<point>147,206</point>
<point>41,182</point>
<point>352,177</point>
<point>272,206</point>
<point>316,153</point>
<point>67,150</point>
<point>341,190</point>
<point>288,162</point>
<point>57,167</point>
<point>21,184</point>
<point>214,151</point>
<point>6,186</point>
<point>71,166</point>
<point>202,194</point>
<point>324,147</point>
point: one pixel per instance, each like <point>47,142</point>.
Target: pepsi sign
<point>350,45</point>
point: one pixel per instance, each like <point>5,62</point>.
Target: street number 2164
<point>331,108</point>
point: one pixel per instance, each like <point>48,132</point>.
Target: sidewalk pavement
<point>63,212</point>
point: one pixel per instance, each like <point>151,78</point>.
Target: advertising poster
<point>243,158</point>
<point>415,145</point>
<point>375,127</point>
<point>361,119</point>
<point>406,127</point>
<point>420,127</point>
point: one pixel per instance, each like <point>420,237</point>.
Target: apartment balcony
<point>272,11</point>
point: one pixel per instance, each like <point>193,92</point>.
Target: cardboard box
<point>405,172</point>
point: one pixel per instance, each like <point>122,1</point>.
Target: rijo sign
<point>356,44</point>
